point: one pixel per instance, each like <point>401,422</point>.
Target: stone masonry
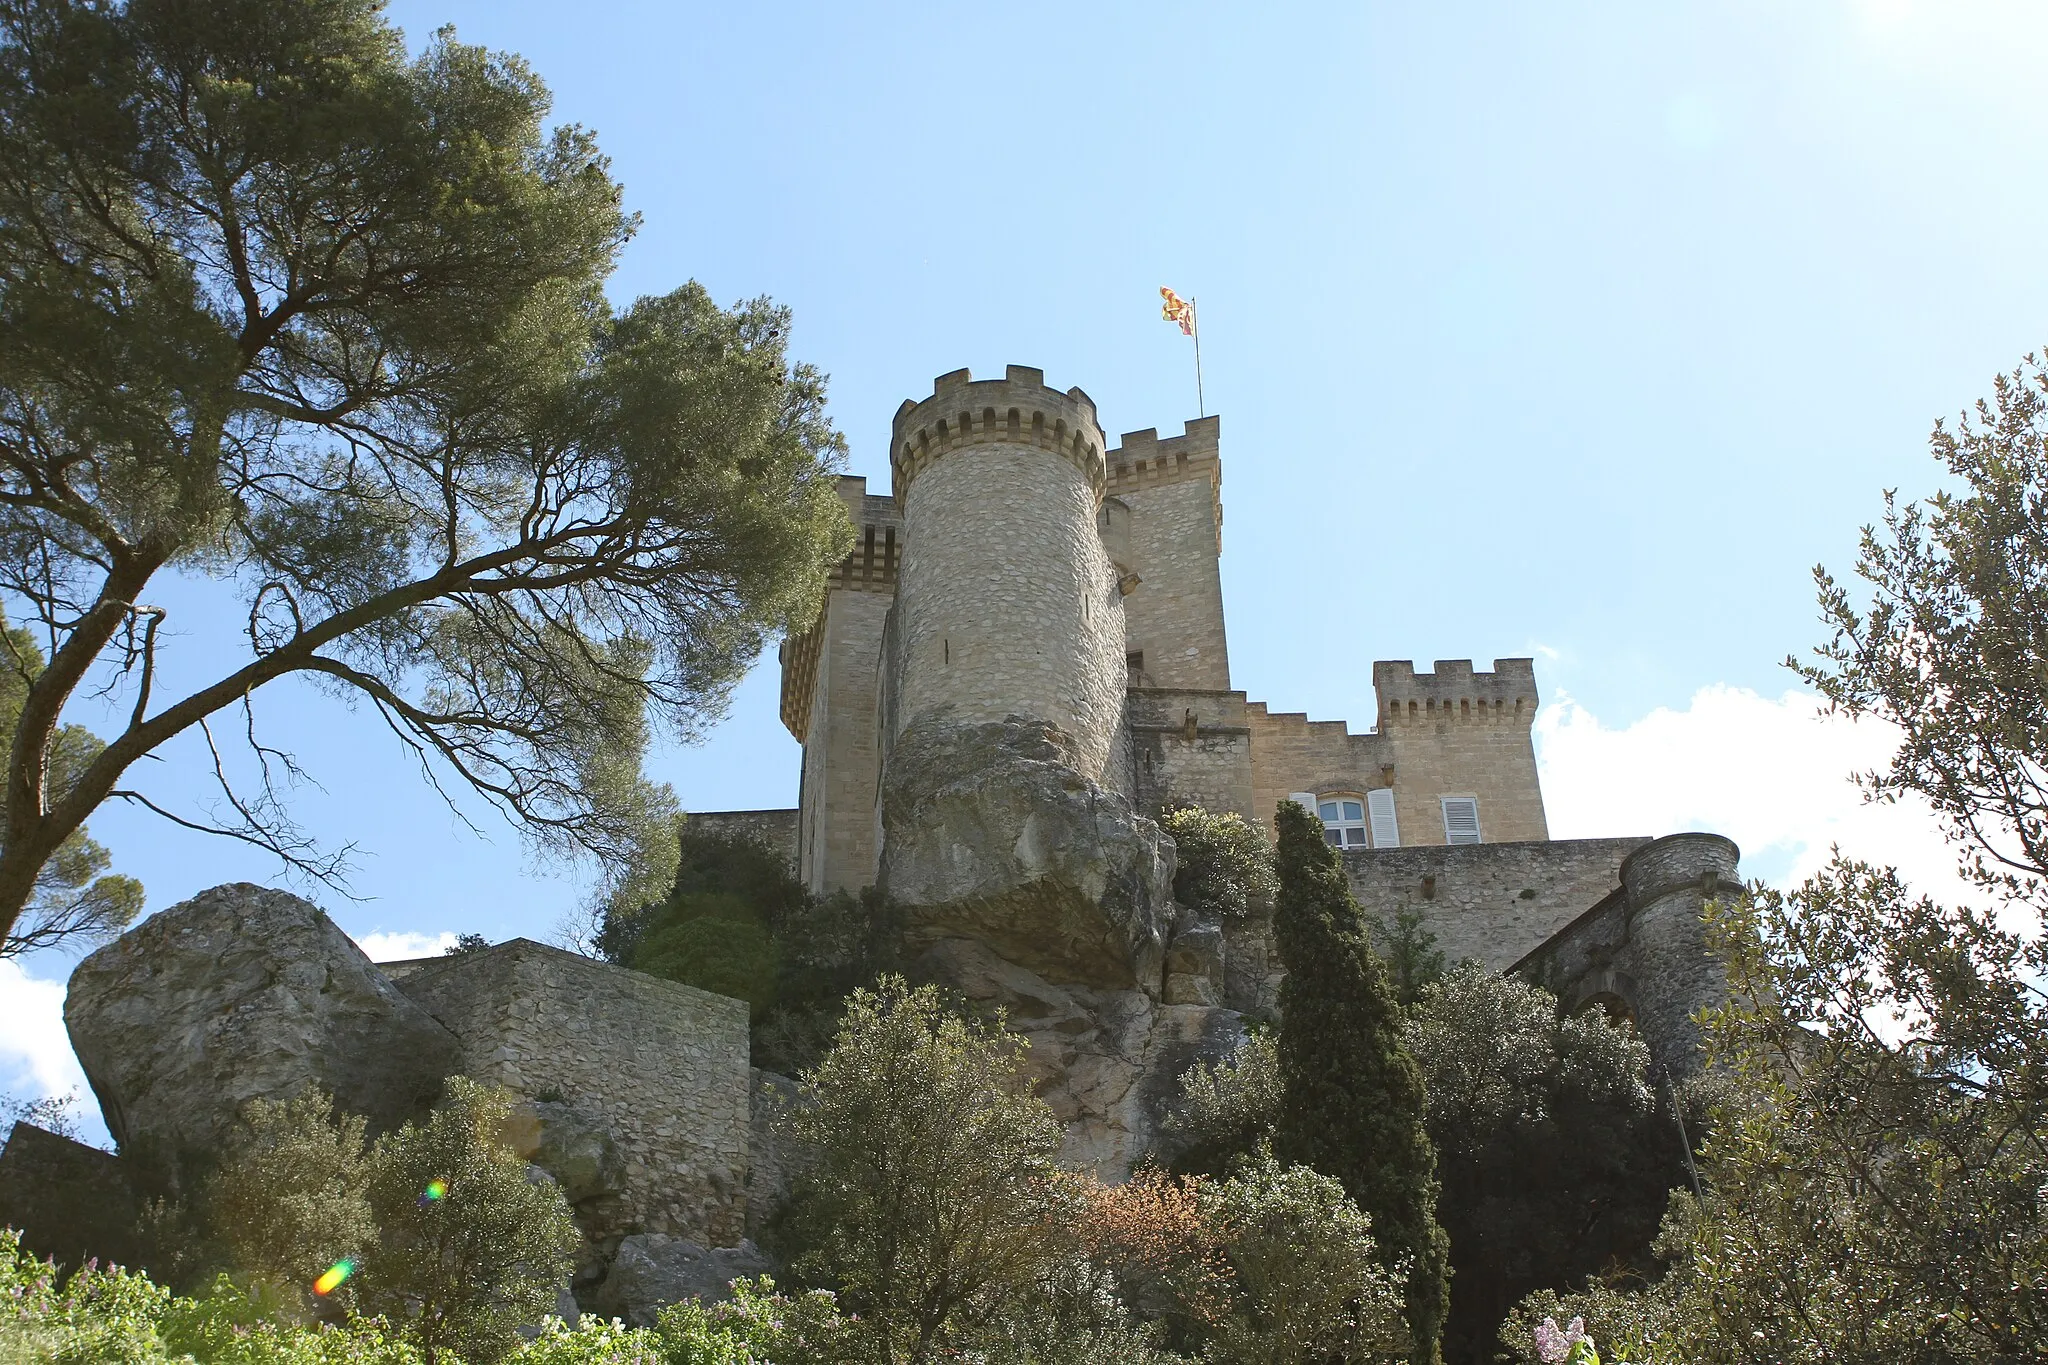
<point>662,1066</point>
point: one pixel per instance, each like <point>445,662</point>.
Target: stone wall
<point>1641,952</point>
<point>1291,753</point>
<point>662,1066</point>
<point>1174,618</point>
<point>69,1201</point>
<point>1190,746</point>
<point>1007,603</point>
<point>1492,902</point>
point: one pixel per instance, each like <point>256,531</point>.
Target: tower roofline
<point>1018,409</point>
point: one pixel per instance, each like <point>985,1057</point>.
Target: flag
<point>1178,309</point>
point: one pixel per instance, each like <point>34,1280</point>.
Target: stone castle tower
<point>1024,661</point>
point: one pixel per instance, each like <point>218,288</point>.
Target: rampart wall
<point>662,1066</point>
<point>1491,902</point>
<point>1190,746</point>
<point>1291,753</point>
<point>1457,732</point>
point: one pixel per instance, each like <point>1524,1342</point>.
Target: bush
<point>1311,1289</point>
<point>291,1198</point>
<point>927,1189</point>
<point>1226,1110</point>
<point>461,1272</point>
<point>1224,867</point>
<point>1556,1159</point>
<point>712,942</point>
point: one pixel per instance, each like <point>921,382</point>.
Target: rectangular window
<point>1386,831</point>
<point>1461,820</point>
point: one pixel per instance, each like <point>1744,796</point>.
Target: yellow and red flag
<point>1177,309</point>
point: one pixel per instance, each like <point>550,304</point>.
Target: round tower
<point>1668,883</point>
<point>1006,603</point>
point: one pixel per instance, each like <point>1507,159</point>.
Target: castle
<point>1022,568</point>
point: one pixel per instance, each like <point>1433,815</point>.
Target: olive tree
<point>285,308</point>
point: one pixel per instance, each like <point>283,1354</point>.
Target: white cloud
<point>1773,775</point>
<point>397,947</point>
<point>35,1052</point>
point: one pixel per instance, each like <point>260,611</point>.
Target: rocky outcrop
<point>1108,1062</point>
<point>239,993</point>
<point>991,834</point>
<point>652,1271</point>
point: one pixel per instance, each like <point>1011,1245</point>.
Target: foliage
<point>282,307</point>
<point>1226,1110</point>
<point>1161,1247</point>
<point>74,902</point>
<point>1312,1286</point>
<point>291,1198</point>
<point>1556,1158</point>
<point>460,1272</point>
<point>928,1187</point>
<point>738,923</point>
<point>1949,647</point>
<point>52,1113</point>
<point>1412,957</point>
<point>1223,869</point>
<point>110,1316</point>
<point>755,1326</point>
<point>1351,1095</point>
<point>466,943</point>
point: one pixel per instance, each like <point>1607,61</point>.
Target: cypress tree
<point>1351,1095</point>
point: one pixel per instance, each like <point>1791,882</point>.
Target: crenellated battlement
<point>1145,461</point>
<point>1017,409</point>
<point>1454,692</point>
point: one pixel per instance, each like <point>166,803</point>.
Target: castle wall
<point>1291,753</point>
<point>1007,602</point>
<point>1455,732</point>
<point>1492,902</point>
<point>1174,618</point>
<point>1190,746</point>
<point>662,1066</point>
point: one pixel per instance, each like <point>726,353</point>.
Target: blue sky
<point>1574,330</point>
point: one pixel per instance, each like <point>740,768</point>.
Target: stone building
<point>1022,569</point>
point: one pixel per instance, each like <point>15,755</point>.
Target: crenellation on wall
<point>661,1066</point>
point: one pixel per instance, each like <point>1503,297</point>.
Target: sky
<point>1575,331</point>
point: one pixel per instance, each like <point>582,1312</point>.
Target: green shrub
<point>712,942</point>
<point>928,1190</point>
<point>291,1198</point>
<point>1224,867</point>
<point>1226,1109</point>
<point>462,1272</point>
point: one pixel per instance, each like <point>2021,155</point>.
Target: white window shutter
<point>1307,800</point>
<point>1461,820</point>
<point>1386,830</point>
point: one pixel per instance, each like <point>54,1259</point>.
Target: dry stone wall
<point>662,1066</point>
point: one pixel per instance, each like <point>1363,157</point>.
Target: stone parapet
<point>1017,409</point>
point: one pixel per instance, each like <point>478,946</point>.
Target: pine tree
<point>1351,1095</point>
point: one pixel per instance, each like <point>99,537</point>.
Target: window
<point>1386,830</point>
<point>1343,820</point>
<point>1461,819</point>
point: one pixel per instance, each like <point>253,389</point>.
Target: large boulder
<point>990,833</point>
<point>573,1148</point>
<point>239,993</point>
<point>653,1270</point>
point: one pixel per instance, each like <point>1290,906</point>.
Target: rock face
<point>239,993</point>
<point>653,1271</point>
<point>990,833</point>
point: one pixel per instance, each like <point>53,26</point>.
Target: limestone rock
<point>574,1149</point>
<point>239,993</point>
<point>1194,966</point>
<point>991,833</point>
<point>1108,1062</point>
<point>653,1270</point>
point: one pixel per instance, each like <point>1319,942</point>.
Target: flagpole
<point>1195,317</point>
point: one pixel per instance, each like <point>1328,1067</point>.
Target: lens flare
<point>434,1193</point>
<point>335,1274</point>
